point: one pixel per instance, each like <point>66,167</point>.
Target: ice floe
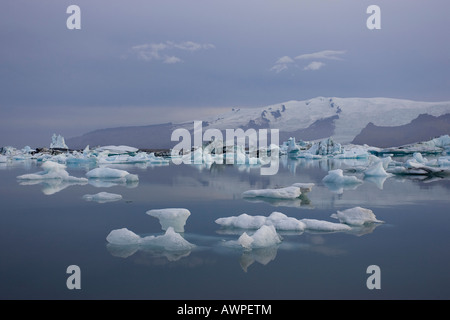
<point>290,192</point>
<point>51,170</point>
<point>265,236</point>
<point>102,197</point>
<point>356,216</point>
<point>111,173</point>
<point>170,240</point>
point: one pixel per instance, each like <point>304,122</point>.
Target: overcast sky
<point>141,62</point>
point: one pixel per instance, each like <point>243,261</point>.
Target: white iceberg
<point>110,173</point>
<point>304,187</point>
<point>102,197</point>
<point>52,170</point>
<point>356,216</point>
<point>243,221</point>
<point>282,222</point>
<point>290,192</point>
<point>266,236</point>
<point>58,142</point>
<point>117,149</point>
<point>171,217</point>
<point>337,177</point>
<point>170,241</point>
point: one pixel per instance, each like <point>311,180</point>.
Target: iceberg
<point>321,225</point>
<point>116,149</point>
<point>110,173</point>
<point>304,187</point>
<point>170,241</point>
<point>171,217</point>
<point>291,192</point>
<point>243,221</point>
<point>52,170</point>
<point>376,170</point>
<point>337,177</point>
<point>356,216</point>
<point>102,197</point>
<point>58,142</point>
<point>266,236</point>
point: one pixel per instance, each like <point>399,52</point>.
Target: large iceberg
<point>58,142</point>
<point>171,217</point>
<point>376,170</point>
<point>52,170</point>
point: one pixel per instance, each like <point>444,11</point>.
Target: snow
<point>58,142</point>
<point>290,192</point>
<point>52,170</point>
<point>171,217</point>
<point>102,197</point>
<point>356,216</point>
<point>170,241</point>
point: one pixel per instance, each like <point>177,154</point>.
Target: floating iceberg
<point>102,197</point>
<point>291,192</point>
<point>171,217</point>
<point>117,149</point>
<point>376,170</point>
<point>110,173</point>
<point>304,187</point>
<point>356,216</point>
<point>321,225</point>
<point>337,177</point>
<point>58,142</point>
<point>170,241</point>
<point>266,236</point>
<point>52,170</point>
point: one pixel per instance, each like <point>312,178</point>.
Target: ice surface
<point>117,149</point>
<point>102,197</point>
<point>290,192</point>
<point>171,217</point>
<point>123,237</point>
<point>304,187</point>
<point>356,216</point>
<point>52,170</point>
<point>243,221</point>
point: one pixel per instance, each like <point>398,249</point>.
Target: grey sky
<point>142,62</point>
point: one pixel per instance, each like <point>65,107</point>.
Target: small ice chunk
<point>282,222</point>
<point>291,192</point>
<point>243,221</point>
<point>52,170</point>
<point>321,225</point>
<point>337,177</point>
<point>377,170</point>
<point>123,237</point>
<point>266,236</point>
<point>102,197</point>
<point>304,187</point>
<point>110,173</point>
<point>170,241</point>
<point>171,217</point>
<point>356,216</point>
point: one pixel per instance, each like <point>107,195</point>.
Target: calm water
<point>44,228</point>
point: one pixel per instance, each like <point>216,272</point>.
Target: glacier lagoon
<point>49,225</point>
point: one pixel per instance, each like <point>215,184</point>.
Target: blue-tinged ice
<point>356,216</point>
<point>102,197</point>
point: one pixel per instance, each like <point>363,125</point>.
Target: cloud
<point>285,62</point>
<point>315,65</point>
<point>282,64</point>
<point>325,54</point>
<point>158,51</point>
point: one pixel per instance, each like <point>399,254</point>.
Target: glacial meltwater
<point>48,225</point>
